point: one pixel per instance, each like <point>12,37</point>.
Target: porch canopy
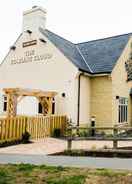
<point>15,95</point>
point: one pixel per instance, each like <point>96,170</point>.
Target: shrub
<point>26,137</point>
<point>57,132</point>
<point>83,133</point>
<point>109,135</point>
<point>103,134</point>
<point>69,124</point>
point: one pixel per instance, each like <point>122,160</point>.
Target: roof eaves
<point>96,73</point>
<point>100,39</point>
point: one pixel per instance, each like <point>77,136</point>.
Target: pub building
<point>91,79</point>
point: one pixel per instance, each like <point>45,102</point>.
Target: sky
<point>75,20</point>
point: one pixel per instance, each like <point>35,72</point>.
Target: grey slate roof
<point>98,56</point>
<point>67,48</point>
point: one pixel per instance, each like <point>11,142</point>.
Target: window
<point>123,109</point>
<point>4,103</point>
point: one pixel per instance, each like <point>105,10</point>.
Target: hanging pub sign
<point>128,66</point>
<point>29,43</point>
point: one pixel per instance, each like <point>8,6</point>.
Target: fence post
<point>115,142</point>
<point>69,144</point>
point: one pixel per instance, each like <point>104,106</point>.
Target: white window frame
<point>123,110</point>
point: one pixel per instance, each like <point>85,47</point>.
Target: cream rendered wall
<point>120,86</point>
<point>101,100</point>
<point>54,74</point>
<point>85,96</point>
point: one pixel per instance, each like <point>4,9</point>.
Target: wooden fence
<point>93,134</point>
<point>38,127</point>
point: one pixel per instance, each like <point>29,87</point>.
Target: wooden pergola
<point>15,95</point>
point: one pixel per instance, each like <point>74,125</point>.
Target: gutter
<point>95,74</point>
<point>78,100</point>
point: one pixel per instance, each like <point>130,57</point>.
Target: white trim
<point>101,74</point>
<point>84,59</point>
<point>97,75</point>
<point>10,50</point>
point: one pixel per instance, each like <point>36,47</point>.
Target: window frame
<point>123,110</point>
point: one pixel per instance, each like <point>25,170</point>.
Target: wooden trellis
<point>14,95</point>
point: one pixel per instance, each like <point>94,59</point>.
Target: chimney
<point>34,18</point>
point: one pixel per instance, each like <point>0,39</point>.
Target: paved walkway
<point>89,162</point>
<point>37,147</point>
<point>51,145</point>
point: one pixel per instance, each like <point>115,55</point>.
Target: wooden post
<point>115,142</point>
<point>11,105</point>
<point>69,144</point>
<point>46,105</point>
<point>49,106</point>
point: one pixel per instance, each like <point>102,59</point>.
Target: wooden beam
<point>11,105</point>
<point>29,92</point>
<point>44,97</point>
<point>46,105</point>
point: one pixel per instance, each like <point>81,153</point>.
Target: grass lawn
<point>31,174</point>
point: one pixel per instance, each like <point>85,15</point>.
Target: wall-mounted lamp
<point>63,95</point>
<point>29,31</point>
<point>13,47</point>
<point>117,97</point>
<point>42,40</point>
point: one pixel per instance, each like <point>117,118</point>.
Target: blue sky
<point>76,20</point>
